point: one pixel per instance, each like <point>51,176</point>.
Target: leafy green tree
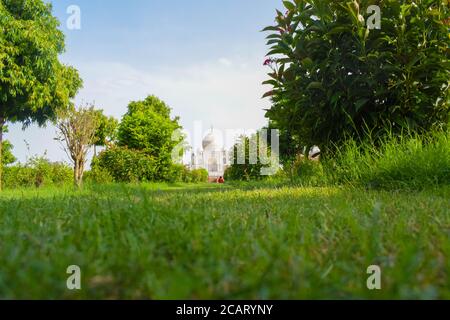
<point>149,128</point>
<point>333,77</point>
<point>7,147</point>
<point>7,157</point>
<point>33,83</point>
<point>246,161</point>
<point>106,131</point>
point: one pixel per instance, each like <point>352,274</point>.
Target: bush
<point>335,77</point>
<point>37,172</point>
<point>251,148</point>
<point>97,174</point>
<point>127,165</point>
<point>180,173</point>
<point>177,173</point>
<point>198,175</point>
<point>60,174</point>
<point>121,164</point>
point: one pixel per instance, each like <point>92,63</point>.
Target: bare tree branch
<point>76,132</point>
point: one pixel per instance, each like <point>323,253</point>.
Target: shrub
<point>251,149</point>
<point>127,165</point>
<point>177,173</point>
<point>198,175</point>
<point>334,77</point>
<point>37,172</point>
<point>121,164</point>
<point>61,174</point>
<point>187,176</point>
<point>180,173</point>
<point>18,176</point>
<point>97,174</point>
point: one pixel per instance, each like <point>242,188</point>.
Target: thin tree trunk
<point>75,173</point>
<point>78,173</point>
<point>75,167</point>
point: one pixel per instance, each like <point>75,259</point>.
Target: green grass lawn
<point>205,241</point>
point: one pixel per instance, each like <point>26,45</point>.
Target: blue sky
<point>203,57</point>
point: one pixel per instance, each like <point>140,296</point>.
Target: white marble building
<point>212,157</point>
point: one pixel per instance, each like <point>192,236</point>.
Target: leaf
<point>274,36</point>
<point>340,29</point>
<point>289,5</point>
<point>280,72</point>
<point>271,82</point>
<point>315,85</point>
<point>276,51</point>
<point>268,94</point>
<point>270,28</point>
<point>307,62</point>
<point>273,41</point>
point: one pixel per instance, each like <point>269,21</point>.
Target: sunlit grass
<point>207,241</point>
<point>408,161</point>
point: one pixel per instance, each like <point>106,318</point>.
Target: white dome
<point>209,141</point>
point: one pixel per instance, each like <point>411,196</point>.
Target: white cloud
<point>225,62</point>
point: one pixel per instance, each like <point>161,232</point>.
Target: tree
<point>33,83</point>
<point>334,77</point>
<point>76,132</point>
<point>148,127</point>
<point>248,157</point>
<point>106,130</point>
<point>7,157</point>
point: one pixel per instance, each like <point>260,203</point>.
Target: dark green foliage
<point>127,165</point>
<point>148,129</point>
<point>333,78</point>
<point>37,172</point>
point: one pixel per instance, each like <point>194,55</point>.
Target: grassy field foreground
<point>157,241</point>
